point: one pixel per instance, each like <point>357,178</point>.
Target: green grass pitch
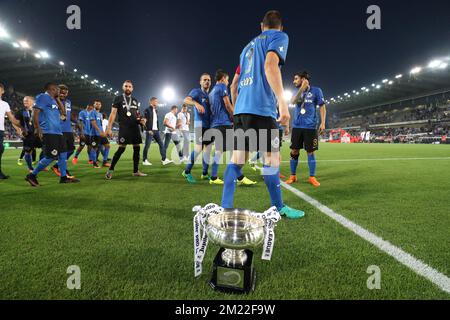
<point>133,237</point>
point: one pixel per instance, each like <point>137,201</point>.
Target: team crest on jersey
<point>54,152</point>
<point>276,143</point>
<point>122,140</point>
<point>94,144</point>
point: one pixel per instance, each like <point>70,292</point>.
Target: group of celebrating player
<point>251,117</point>
<point>46,123</point>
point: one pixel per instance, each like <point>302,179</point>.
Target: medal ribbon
<point>128,105</point>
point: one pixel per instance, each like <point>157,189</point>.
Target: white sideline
<point>416,265</point>
<point>379,159</point>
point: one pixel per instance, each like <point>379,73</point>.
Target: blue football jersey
<point>49,116</point>
<point>66,126</point>
<point>255,94</point>
<point>313,98</point>
<point>219,113</point>
<point>83,116</point>
<point>97,117</point>
<point>201,97</point>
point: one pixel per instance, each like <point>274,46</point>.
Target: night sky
<point>163,43</point>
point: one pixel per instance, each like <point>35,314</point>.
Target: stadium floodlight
<point>4,33</point>
<point>44,54</point>
<point>385,80</point>
<point>61,63</point>
<point>398,76</point>
<point>434,64</point>
<point>357,93</point>
<point>367,90</point>
<point>86,76</point>
<point>416,70</point>
<point>287,95</point>
<point>168,94</point>
<point>15,45</point>
<point>24,45</point>
<point>92,82</point>
<point>75,70</point>
<point>443,65</point>
<point>373,84</point>
<point>363,88</point>
<point>378,87</point>
<point>390,82</point>
<point>37,56</point>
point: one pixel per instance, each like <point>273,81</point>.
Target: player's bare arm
<point>323,118</point>
<point>234,89</point>
<point>61,107</point>
<point>112,119</point>
<point>166,124</point>
<point>100,132</point>
<point>298,97</point>
<point>190,102</point>
<point>13,119</point>
<point>228,105</point>
<point>273,74</point>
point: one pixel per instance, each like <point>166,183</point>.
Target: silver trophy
<point>236,231</point>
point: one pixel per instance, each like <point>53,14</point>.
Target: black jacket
<point>148,114</point>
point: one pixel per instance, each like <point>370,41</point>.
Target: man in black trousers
<point>126,109</point>
<point>152,132</point>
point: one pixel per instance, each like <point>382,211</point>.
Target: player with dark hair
<point>126,108</point>
<point>199,99</point>
<point>66,127</point>
<point>222,124</point>
<point>84,127</point>
<point>260,89</point>
<point>99,139</point>
<point>47,118</point>
<point>305,132</point>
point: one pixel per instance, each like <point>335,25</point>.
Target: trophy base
<point>236,279</point>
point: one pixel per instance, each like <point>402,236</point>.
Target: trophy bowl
<point>235,230</point>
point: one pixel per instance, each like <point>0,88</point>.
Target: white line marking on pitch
<point>381,159</point>
<point>416,265</point>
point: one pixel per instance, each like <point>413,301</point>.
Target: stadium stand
<point>24,71</point>
<point>410,109</point>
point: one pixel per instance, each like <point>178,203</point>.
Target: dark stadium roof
<point>420,82</point>
<point>28,71</point>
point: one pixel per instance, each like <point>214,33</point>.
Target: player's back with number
<point>255,94</point>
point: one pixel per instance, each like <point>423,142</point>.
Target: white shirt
<point>184,118</point>
<point>4,108</point>
<point>105,124</point>
<point>172,120</point>
<point>155,120</point>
